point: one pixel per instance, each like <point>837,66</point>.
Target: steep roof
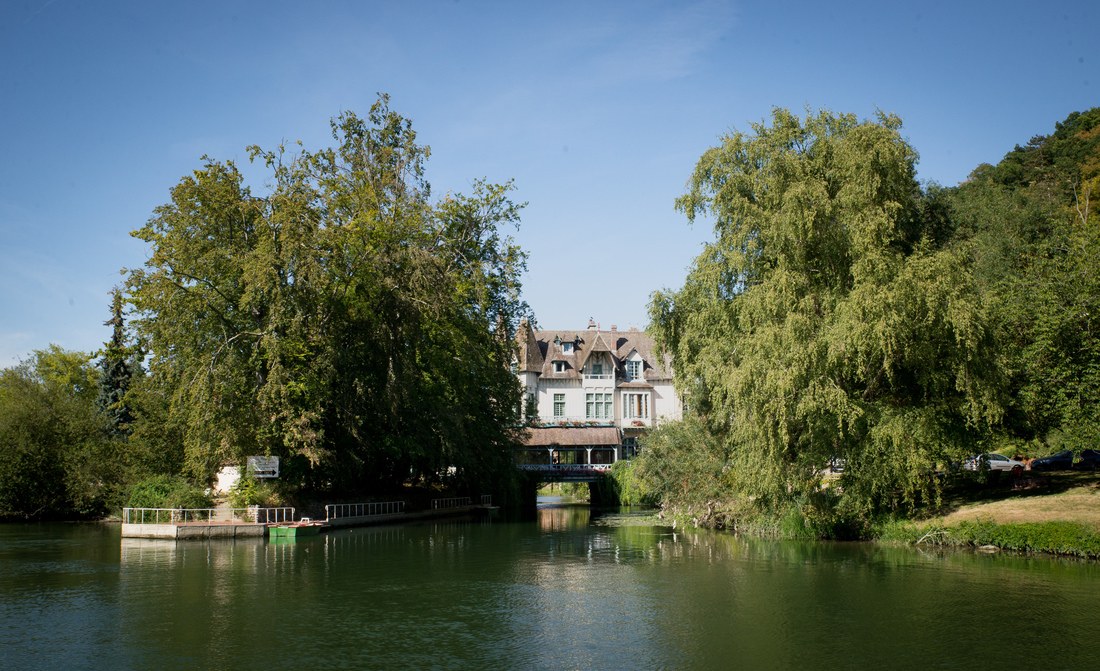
<point>529,357</point>
<point>598,345</point>
<point>619,344</point>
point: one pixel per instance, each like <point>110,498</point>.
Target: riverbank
<point>1055,513</point>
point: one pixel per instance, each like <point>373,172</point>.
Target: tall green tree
<point>341,320</point>
<point>117,365</point>
<point>1031,220</point>
<point>829,318</point>
<point>55,457</point>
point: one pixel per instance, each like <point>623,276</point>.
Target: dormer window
<point>567,348</point>
<point>633,370</point>
<point>559,366</point>
<point>598,367</point>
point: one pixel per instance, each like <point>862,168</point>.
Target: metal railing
<point>250,515</point>
<point>564,467</point>
<point>578,421</point>
<point>337,510</point>
<point>486,499</point>
<point>455,502</point>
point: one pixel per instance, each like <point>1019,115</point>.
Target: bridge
<point>570,453</point>
<point>566,472</point>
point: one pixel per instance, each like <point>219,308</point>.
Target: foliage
<point>629,488</point>
<point>154,444</point>
<point>1063,538</point>
<point>167,491</point>
<point>341,320</point>
<point>118,364</point>
<point>1030,220</point>
<point>680,463</point>
<point>828,319</point>
<point>577,491</point>
<point>250,491</point>
<point>55,456</point>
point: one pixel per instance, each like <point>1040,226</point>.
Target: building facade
<point>590,394</point>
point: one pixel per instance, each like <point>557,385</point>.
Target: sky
<point>597,110</point>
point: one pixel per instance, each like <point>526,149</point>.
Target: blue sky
<point>597,110</point>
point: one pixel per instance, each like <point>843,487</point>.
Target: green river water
<point>567,591</point>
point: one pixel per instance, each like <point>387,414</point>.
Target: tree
<point>117,365</point>
<point>830,317</point>
<point>342,320</point>
<point>1030,220</point>
<point>55,458</point>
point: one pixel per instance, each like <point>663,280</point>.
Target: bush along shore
<point>1053,513</point>
<point>1056,513</point>
<point>1054,537</point>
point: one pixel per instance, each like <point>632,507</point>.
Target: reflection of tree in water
<point>563,517</point>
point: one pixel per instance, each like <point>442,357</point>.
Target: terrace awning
<point>572,436</point>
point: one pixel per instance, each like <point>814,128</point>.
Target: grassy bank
<point>1056,513</point>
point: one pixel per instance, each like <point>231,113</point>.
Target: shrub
<point>629,488</point>
<point>1063,538</point>
<point>250,491</point>
<point>167,491</point>
<point>1068,538</point>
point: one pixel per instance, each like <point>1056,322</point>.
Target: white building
<point>594,393</point>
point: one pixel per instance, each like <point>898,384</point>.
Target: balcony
<point>575,421</point>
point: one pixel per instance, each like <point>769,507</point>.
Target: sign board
<point>264,467</point>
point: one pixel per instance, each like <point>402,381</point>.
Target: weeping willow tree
<point>830,318</point>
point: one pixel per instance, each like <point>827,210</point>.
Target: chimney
<point>591,324</point>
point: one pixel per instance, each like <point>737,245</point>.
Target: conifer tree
<point>116,371</point>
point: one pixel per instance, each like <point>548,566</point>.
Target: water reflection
<point>571,590</point>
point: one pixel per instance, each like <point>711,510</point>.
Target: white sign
<point>264,467</point>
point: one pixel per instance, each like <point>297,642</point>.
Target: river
<point>571,590</point>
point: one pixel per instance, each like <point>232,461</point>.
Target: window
<point>630,447</point>
<point>567,347</point>
<point>633,370</point>
<point>636,406</point>
<point>559,366</point>
<point>598,406</point>
<point>598,369</point>
<point>559,405</point>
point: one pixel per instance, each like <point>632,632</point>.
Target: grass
<point>1056,513</point>
<point>1039,497</point>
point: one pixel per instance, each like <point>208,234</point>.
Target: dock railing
<point>486,499</point>
<point>337,510</point>
<point>455,502</point>
<point>250,515</point>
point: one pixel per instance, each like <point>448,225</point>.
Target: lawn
<point>1056,513</point>
<point>1034,497</point>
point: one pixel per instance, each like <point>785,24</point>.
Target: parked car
<point>1089,461</point>
<point>993,462</point>
<point>1059,461</point>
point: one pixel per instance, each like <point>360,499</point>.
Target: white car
<point>993,462</point>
